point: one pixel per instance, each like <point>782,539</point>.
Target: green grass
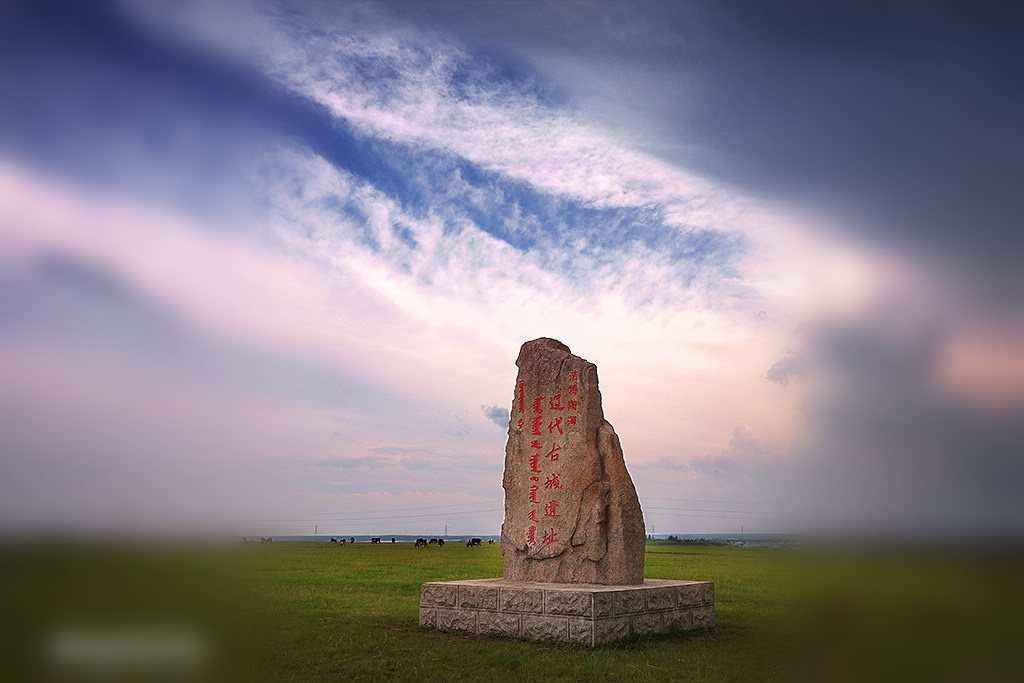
<point>320,612</point>
<point>351,613</point>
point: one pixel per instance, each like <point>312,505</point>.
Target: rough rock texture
<point>587,614</point>
<point>571,511</point>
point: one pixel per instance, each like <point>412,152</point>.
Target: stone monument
<point>573,535</point>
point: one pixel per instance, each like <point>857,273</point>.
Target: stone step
<point>586,614</point>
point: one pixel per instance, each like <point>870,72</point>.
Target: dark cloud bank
<point>892,448</point>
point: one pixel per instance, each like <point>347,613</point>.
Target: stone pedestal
<point>582,613</point>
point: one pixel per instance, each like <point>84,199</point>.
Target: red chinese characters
<point>538,415</point>
<point>544,458</point>
<point>573,405</point>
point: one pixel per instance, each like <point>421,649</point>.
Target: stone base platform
<point>582,613</point>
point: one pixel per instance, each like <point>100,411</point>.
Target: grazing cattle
<point>333,539</point>
<point>421,543</point>
<point>432,541</point>
<point>440,541</point>
<point>375,539</point>
<point>473,541</point>
<point>393,539</point>
<point>490,541</point>
<point>352,539</point>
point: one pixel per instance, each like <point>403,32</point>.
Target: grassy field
<point>320,612</point>
<point>364,602</point>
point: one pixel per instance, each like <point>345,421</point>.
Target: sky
<point>266,267</point>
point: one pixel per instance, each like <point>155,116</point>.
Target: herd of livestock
<point>420,542</point>
<point>470,542</point>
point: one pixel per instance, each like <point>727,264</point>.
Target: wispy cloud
<point>338,296</point>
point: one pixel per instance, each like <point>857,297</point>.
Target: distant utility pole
<point>316,530</point>
<point>446,529</point>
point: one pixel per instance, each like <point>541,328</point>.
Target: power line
<point>453,508</point>
<point>447,511</point>
<point>364,518</point>
<point>729,512</point>
<point>713,501</point>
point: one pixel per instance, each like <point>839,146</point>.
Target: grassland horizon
<point>316,612</point>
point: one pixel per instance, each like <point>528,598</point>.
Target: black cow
<point>421,543</point>
<point>490,541</point>
<point>432,541</point>
<point>440,541</point>
<point>473,541</point>
<point>375,539</point>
